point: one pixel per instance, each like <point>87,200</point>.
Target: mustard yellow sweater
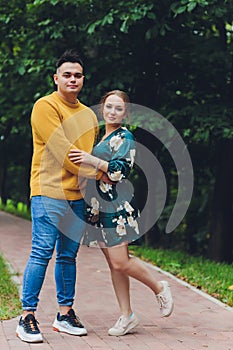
<point>58,126</point>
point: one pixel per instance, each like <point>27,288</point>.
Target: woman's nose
<point>112,110</point>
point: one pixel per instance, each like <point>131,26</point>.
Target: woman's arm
<point>121,163</point>
<point>79,156</point>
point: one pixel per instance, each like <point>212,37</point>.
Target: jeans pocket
<point>37,207</point>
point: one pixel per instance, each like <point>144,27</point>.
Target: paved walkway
<point>198,322</point>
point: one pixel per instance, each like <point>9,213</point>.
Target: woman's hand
<point>78,156</point>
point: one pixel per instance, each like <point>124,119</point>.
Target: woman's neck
<point>109,128</point>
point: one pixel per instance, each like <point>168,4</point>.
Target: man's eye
<point>69,75</point>
<point>78,75</point>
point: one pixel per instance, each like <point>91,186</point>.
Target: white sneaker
<point>124,325</point>
<point>69,323</point>
<point>165,300</point>
<point>28,331</point>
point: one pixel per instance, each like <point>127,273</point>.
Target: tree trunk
<point>3,177</point>
<point>221,221</point>
<point>3,172</point>
<point>149,230</point>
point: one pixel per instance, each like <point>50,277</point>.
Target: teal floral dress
<point>111,213</point>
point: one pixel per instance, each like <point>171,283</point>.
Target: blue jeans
<point>60,223</point>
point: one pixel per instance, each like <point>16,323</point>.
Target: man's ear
<point>55,77</point>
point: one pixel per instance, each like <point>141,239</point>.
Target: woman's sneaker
<point>165,300</point>
<point>28,331</point>
<point>124,325</point>
<point>69,323</point>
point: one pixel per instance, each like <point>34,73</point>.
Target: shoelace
<point>30,324</point>
<point>161,300</point>
<point>74,320</point>
<point>122,321</point>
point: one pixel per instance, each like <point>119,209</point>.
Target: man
<point>60,122</point>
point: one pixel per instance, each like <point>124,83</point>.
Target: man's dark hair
<point>69,56</point>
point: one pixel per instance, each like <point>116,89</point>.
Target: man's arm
<point>47,124</point>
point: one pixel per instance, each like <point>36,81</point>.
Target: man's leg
<point>72,228</point>
<point>44,235</point>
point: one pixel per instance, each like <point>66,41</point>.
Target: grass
<point>19,209</point>
<point>214,278</point>
<point>10,305</point>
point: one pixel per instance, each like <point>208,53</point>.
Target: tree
<point>174,57</point>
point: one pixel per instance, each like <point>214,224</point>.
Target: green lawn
<point>211,277</point>
<point>10,305</point>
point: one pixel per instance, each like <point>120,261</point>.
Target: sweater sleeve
<point>48,128</point>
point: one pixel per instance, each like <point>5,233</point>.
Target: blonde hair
<point>123,95</point>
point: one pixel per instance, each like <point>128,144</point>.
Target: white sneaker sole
<point>57,327</point>
<point>37,338</point>
<point>170,312</point>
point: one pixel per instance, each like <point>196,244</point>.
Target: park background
<point>175,57</point>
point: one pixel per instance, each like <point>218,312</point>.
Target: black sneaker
<point>69,323</point>
<point>27,329</point>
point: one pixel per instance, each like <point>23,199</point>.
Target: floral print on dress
<point>93,210</point>
<point>116,141</point>
<point>128,207</point>
<point>132,157</point>
<point>104,187</point>
<point>133,223</point>
<point>111,212</point>
<point>116,176</point>
<point>120,228</point>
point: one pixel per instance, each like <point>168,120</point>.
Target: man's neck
<point>71,98</point>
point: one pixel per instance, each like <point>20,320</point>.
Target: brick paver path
<point>197,323</point>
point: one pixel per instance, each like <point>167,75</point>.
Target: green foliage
<point>118,15</point>
<point>18,209</point>
<point>10,305</point>
<point>208,276</point>
<point>174,57</point>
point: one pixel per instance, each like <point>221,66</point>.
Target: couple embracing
<point>79,194</point>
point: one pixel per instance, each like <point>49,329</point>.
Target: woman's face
<point>114,110</point>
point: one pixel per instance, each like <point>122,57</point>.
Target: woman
<point>112,214</point>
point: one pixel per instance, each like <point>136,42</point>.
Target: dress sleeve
<point>123,153</point>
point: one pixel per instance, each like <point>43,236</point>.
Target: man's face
<point>69,79</point>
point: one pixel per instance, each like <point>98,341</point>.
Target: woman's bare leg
<point>121,286</point>
<point>122,266</point>
<point>120,261</point>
